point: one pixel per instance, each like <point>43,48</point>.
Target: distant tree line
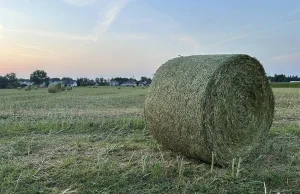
<point>283,78</point>
<point>122,80</point>
<point>39,77</point>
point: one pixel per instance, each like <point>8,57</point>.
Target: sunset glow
<point>112,38</point>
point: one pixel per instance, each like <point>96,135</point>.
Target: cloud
<point>79,2</point>
<point>107,18</point>
<point>286,57</point>
<point>35,48</point>
<point>228,40</point>
<point>33,56</point>
<point>57,35</point>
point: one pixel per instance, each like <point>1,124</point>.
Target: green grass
<point>285,85</point>
<point>95,141</point>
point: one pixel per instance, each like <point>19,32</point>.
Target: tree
<point>55,79</point>
<point>39,77</point>
<point>12,80</point>
<point>3,82</point>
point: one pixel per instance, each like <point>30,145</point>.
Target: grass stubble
<point>95,141</point>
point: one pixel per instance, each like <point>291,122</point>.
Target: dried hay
<point>221,104</point>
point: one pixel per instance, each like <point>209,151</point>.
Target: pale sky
<point>110,38</point>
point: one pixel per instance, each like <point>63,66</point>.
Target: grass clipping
<point>220,104</point>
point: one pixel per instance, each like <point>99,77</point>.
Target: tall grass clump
<point>220,104</point>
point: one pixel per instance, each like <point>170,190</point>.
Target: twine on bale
<point>210,103</point>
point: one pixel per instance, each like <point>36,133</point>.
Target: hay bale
<point>63,88</point>
<point>27,88</point>
<point>69,88</point>
<point>54,88</point>
<point>221,104</point>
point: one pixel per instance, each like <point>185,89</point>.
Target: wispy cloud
<point>33,56</point>
<point>35,48</point>
<point>107,18</point>
<point>286,57</point>
<point>79,2</point>
<point>227,41</point>
<point>57,35</point>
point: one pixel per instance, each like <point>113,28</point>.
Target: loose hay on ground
<point>221,104</point>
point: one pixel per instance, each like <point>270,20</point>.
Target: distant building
<point>114,83</point>
<point>27,83</point>
<point>72,83</point>
<point>129,83</point>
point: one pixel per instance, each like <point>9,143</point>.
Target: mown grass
<point>95,141</point>
<point>285,85</point>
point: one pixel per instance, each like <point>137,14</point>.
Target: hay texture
<point>220,104</point>
<point>27,88</point>
<point>54,88</point>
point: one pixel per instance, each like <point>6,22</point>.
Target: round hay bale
<point>220,104</point>
<point>27,88</point>
<point>54,88</point>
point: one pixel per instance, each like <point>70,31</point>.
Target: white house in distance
<point>28,83</point>
<point>114,83</point>
<point>129,83</point>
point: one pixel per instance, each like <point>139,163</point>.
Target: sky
<point>132,38</point>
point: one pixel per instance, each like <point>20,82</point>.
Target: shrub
<point>220,104</point>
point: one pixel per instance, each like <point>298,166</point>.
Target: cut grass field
<point>95,141</point>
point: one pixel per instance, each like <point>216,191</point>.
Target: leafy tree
<point>55,79</point>
<point>3,82</point>
<point>39,77</point>
<point>12,80</point>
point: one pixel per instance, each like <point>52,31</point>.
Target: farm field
<point>94,140</point>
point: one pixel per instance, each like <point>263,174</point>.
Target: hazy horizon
<point>125,38</point>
